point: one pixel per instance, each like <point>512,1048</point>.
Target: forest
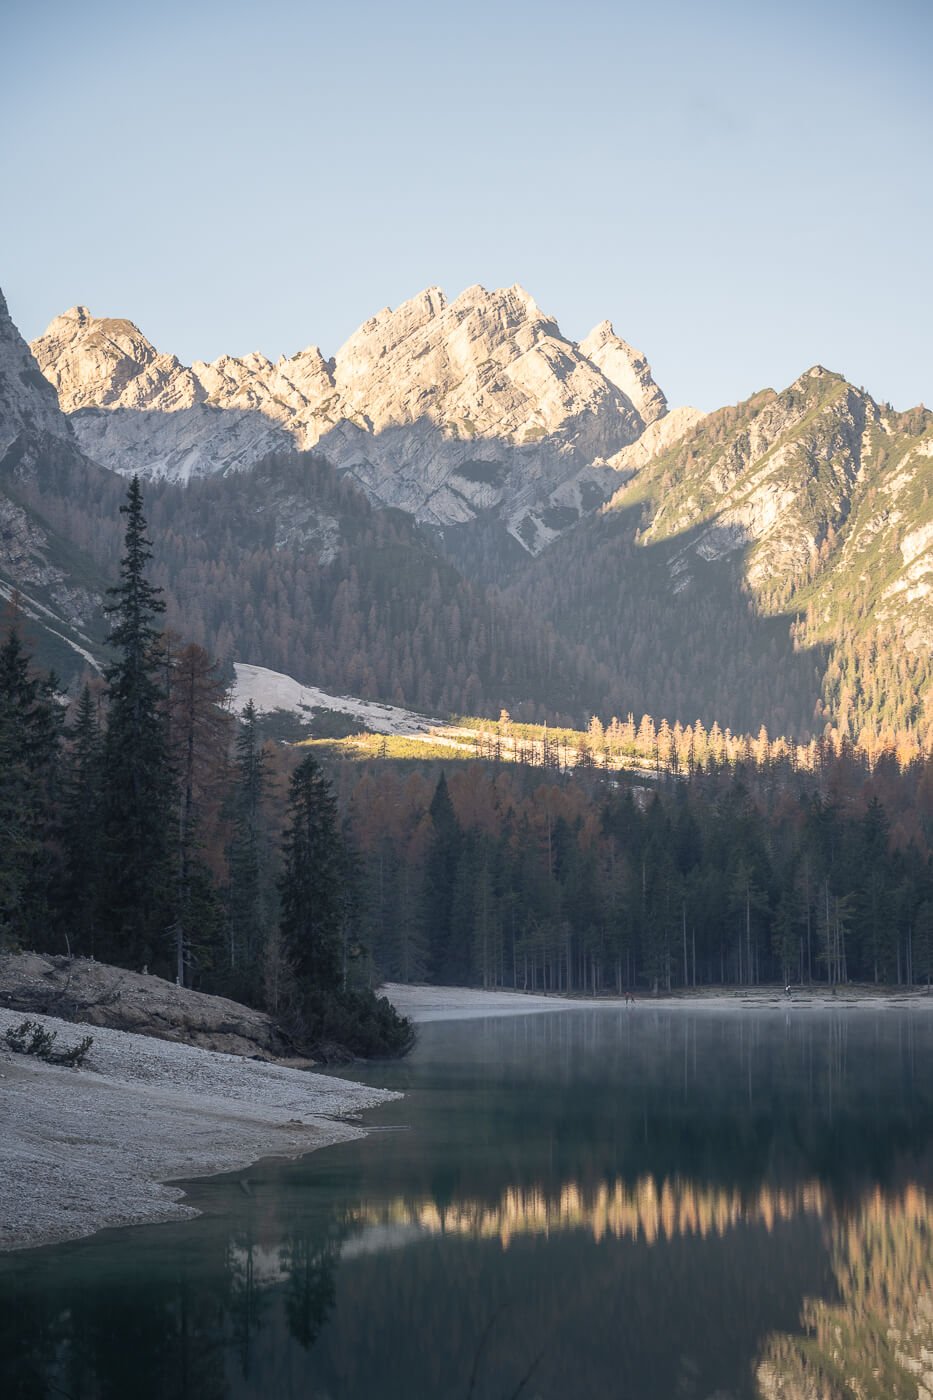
<point>591,880</point>
<point>289,566</point>
<point>133,831</point>
<point>147,826</point>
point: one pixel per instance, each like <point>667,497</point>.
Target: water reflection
<point>876,1341</point>
<point>649,1210</point>
<point>652,1207</point>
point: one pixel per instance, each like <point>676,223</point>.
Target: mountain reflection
<point>650,1207</point>
<point>876,1341</point>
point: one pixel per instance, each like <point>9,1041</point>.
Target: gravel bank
<point>424,1004</point>
<point>84,1149</point>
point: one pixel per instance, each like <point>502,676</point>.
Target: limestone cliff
<point>449,410</point>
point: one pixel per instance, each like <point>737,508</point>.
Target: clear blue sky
<point>743,188</point>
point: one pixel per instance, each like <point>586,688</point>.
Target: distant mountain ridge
<point>492,514</point>
<point>455,411</point>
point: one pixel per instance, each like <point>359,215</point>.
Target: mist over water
<point>619,1202</point>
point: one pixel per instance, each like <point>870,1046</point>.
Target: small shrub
<point>75,1057</point>
<point>29,1038</point>
<point>357,1024</point>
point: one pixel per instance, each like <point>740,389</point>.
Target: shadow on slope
<point>291,567</point>
<point>54,587</point>
<point>674,634</point>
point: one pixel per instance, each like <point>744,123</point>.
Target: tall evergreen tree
<point>30,728</point>
<point>137,788</point>
<point>448,960</point>
<point>316,903</point>
<point>81,827</point>
<point>252,960</point>
<point>311,884</point>
<point>198,731</point>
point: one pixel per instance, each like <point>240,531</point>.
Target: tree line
<point>291,567</point>
<point>149,829</point>
<point>145,832</point>
<point>744,873</point>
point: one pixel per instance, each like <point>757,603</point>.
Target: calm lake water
<point>620,1203</point>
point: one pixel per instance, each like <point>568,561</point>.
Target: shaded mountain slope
<point>291,567</point>
<point>54,586</point>
<point>770,563</point>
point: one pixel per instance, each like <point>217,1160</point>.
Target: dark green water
<point>584,1204</point>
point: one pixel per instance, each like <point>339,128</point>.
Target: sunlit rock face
<point>451,410</point>
<point>627,369</point>
<point>820,493</point>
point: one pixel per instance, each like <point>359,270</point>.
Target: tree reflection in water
<point>652,1205</point>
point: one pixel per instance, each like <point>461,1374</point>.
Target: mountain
<point>825,495</point>
<point>288,565</point>
<point>491,515</point>
<point>57,588</point>
<point>473,410</point>
<point>774,565</point>
<point>31,422</point>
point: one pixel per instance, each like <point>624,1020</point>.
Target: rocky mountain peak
<point>513,301</point>
<point>96,362</point>
<point>79,315</point>
<point>817,379</point>
<point>385,332</point>
<point>448,409</point>
<point>627,368</point>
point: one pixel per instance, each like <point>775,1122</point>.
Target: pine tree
<point>81,826</point>
<point>251,895</point>
<point>448,962</point>
<point>311,892</point>
<point>198,729</point>
<point>137,795</point>
<point>30,729</point>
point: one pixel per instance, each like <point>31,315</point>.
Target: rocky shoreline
<point>81,1150</point>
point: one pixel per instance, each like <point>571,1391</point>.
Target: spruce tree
<point>198,736</point>
<point>251,894</point>
<point>137,788</point>
<point>30,729</point>
<point>318,902</point>
<point>311,885</point>
<point>440,875</point>
<point>81,827</point>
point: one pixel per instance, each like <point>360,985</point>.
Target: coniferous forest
<point>140,830</point>
<point>504,875</point>
<point>144,825</point>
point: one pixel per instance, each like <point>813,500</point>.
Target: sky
<point>744,189</point>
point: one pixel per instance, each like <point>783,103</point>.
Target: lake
<point>623,1202</point>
